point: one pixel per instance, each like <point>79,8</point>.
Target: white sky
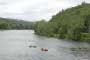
<point>33,10</point>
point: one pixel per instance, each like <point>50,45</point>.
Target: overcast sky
<point>33,10</point>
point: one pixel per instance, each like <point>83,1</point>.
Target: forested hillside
<point>71,24</point>
<point>6,23</point>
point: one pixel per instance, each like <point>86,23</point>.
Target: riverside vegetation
<point>70,24</point>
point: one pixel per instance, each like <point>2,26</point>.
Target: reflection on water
<point>15,45</point>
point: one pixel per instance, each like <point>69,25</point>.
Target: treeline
<point>6,23</point>
<point>70,24</point>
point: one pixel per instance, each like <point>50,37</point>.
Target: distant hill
<point>72,24</point>
<point>6,23</point>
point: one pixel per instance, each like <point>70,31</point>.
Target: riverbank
<point>71,24</point>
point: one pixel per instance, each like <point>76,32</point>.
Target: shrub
<point>85,37</point>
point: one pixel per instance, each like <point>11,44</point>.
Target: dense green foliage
<point>71,24</point>
<point>6,23</point>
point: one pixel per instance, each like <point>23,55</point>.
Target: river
<point>14,45</point>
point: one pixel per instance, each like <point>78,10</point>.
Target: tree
<point>3,25</point>
<point>63,31</point>
<point>86,23</point>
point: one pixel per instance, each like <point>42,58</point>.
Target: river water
<point>14,45</point>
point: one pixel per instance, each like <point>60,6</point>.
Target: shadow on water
<point>83,52</point>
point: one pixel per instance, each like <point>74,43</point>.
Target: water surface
<point>14,45</point>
